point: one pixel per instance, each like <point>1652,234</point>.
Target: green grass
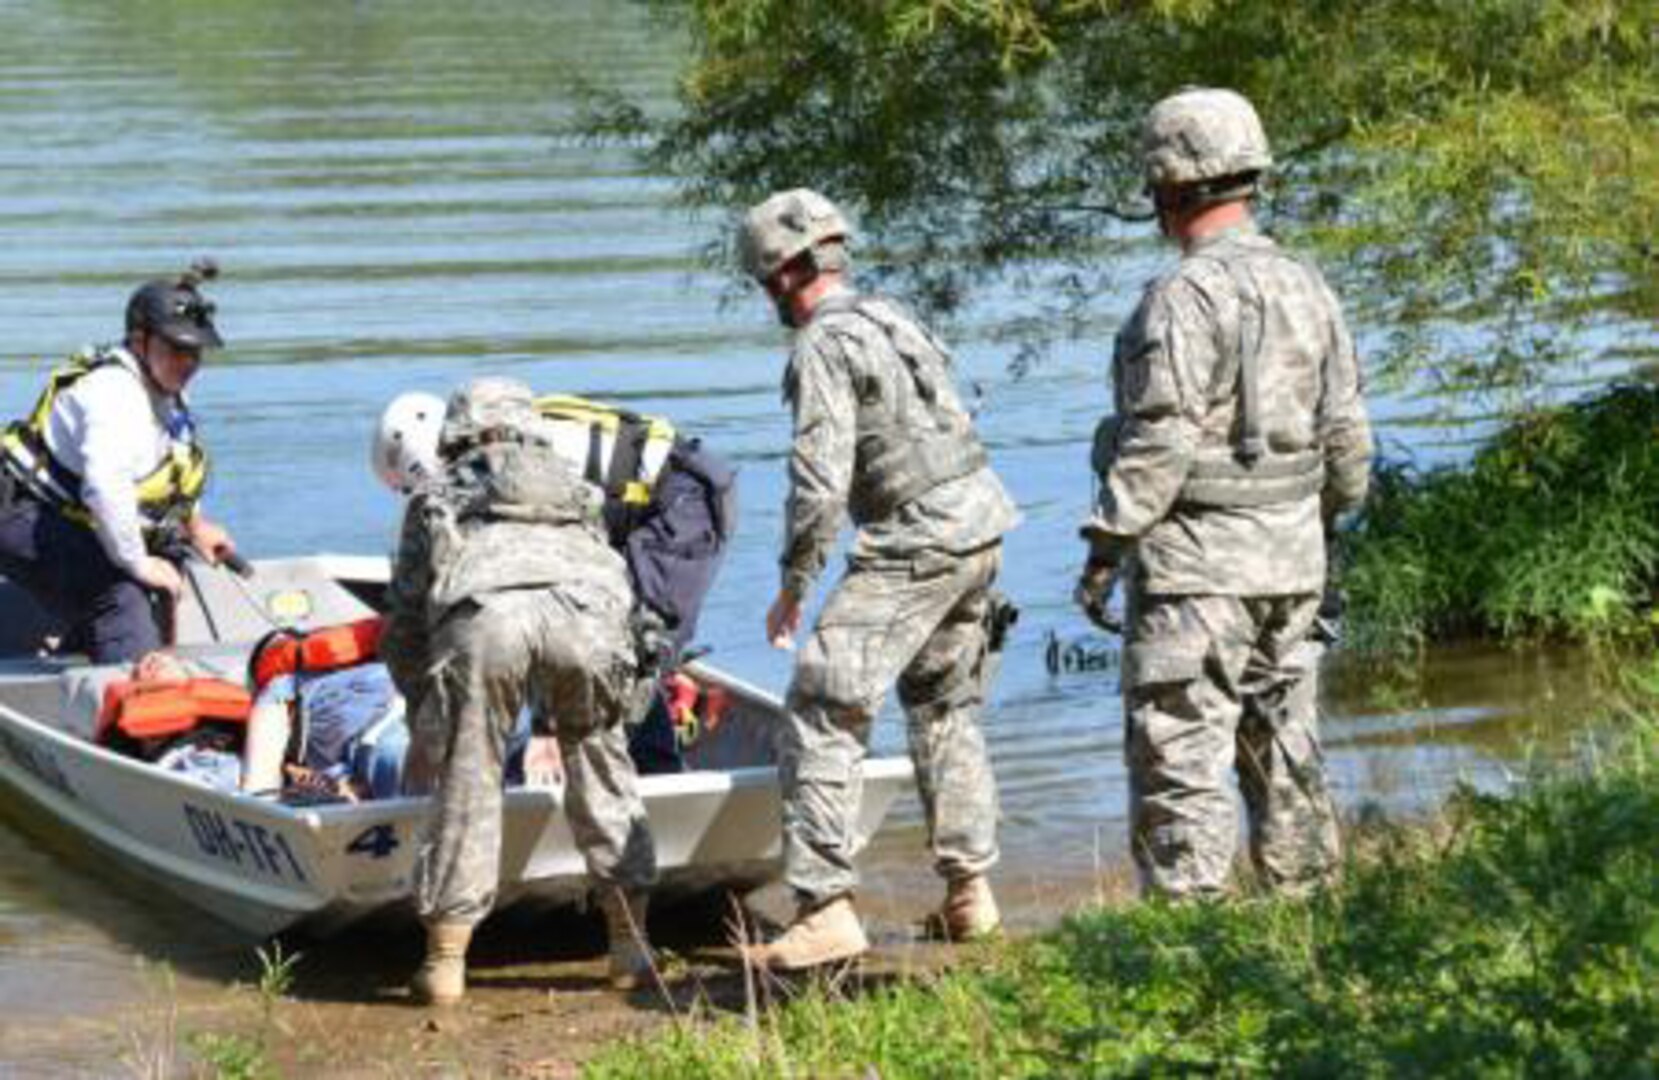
<point>1550,532</point>
<point>1518,936</point>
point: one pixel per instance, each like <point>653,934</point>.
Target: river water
<point>393,202</point>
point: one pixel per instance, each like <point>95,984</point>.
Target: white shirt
<point>111,428</point>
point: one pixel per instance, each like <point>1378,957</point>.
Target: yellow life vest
<point>618,442</point>
<point>167,495</point>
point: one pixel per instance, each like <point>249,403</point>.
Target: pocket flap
<point>1169,661</point>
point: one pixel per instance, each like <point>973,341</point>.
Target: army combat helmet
<point>176,309</point>
<point>485,410</point>
<point>1206,144</point>
<point>788,225</point>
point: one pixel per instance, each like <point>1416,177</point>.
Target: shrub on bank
<point>1520,936</point>
<point>1551,531</point>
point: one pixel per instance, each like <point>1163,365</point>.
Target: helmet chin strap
<point>784,306</point>
<point>142,355</point>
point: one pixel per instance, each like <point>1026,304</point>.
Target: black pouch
<point>1001,614</point>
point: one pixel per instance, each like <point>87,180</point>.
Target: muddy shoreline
<point>538,1004</point>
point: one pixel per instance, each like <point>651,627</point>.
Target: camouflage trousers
<point>1214,684</point>
<point>921,622</point>
<point>492,658</point>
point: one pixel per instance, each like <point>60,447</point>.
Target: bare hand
<point>160,575</point>
<point>209,538</point>
<point>160,666</point>
<point>544,765</point>
<point>783,621</point>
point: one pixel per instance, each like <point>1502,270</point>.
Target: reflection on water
<point>387,189</point>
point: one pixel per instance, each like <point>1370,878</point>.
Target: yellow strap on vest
<point>170,489</point>
<point>607,418</point>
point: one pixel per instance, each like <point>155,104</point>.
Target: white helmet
<point>405,451</point>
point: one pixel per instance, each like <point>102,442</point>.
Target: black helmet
<point>176,309</point>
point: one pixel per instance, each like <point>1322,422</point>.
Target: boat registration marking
<point>242,843</point>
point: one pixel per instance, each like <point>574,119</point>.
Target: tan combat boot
<point>630,964</point>
<point>970,911</point>
<point>825,934</point>
<point>442,979</point>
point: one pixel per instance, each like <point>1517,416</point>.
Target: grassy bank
<point>1519,936</point>
<point>1551,531</point>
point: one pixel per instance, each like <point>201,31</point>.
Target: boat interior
<point>222,616</point>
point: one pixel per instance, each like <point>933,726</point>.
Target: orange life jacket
<point>286,652</point>
<point>139,710</point>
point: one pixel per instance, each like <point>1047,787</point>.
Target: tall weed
<point>1551,531</point>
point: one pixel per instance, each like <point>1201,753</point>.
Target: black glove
<point>1094,592</point>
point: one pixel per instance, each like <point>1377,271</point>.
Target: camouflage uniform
<point>879,432</point>
<point>506,595</point>
<point>1221,505</point>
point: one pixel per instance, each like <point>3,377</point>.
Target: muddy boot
<point>825,934</point>
<point>969,912</point>
<point>630,964</point>
<point>442,979</point>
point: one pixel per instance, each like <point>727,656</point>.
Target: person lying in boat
<point>323,722</point>
<point>100,486</point>
<point>328,720</point>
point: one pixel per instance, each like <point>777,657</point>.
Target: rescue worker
<point>101,484</point>
<point>879,434</point>
<point>1240,433</point>
<point>505,594</point>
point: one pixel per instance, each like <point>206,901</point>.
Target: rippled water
<point>388,190</point>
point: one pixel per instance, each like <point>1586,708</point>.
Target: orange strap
<point>325,649</point>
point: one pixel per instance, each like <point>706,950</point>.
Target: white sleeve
<point>111,415</point>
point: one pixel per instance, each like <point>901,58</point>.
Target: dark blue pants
<point>65,569</point>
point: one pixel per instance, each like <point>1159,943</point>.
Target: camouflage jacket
<point>502,516</point>
<point>1177,390</point>
<point>845,379</point>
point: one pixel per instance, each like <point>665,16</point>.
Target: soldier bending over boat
<point>505,592</point>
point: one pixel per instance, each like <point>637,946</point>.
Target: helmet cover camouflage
<point>1200,135</point>
<point>784,226</point>
<point>492,403</point>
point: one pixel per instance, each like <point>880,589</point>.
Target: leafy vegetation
<point>1493,160</point>
<point>1520,936</point>
<point>1551,531</point>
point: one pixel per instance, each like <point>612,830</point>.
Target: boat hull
<point>265,867</point>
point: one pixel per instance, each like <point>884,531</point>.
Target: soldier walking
<point>881,435</point>
<point>506,595</point>
<point>1240,433</point>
